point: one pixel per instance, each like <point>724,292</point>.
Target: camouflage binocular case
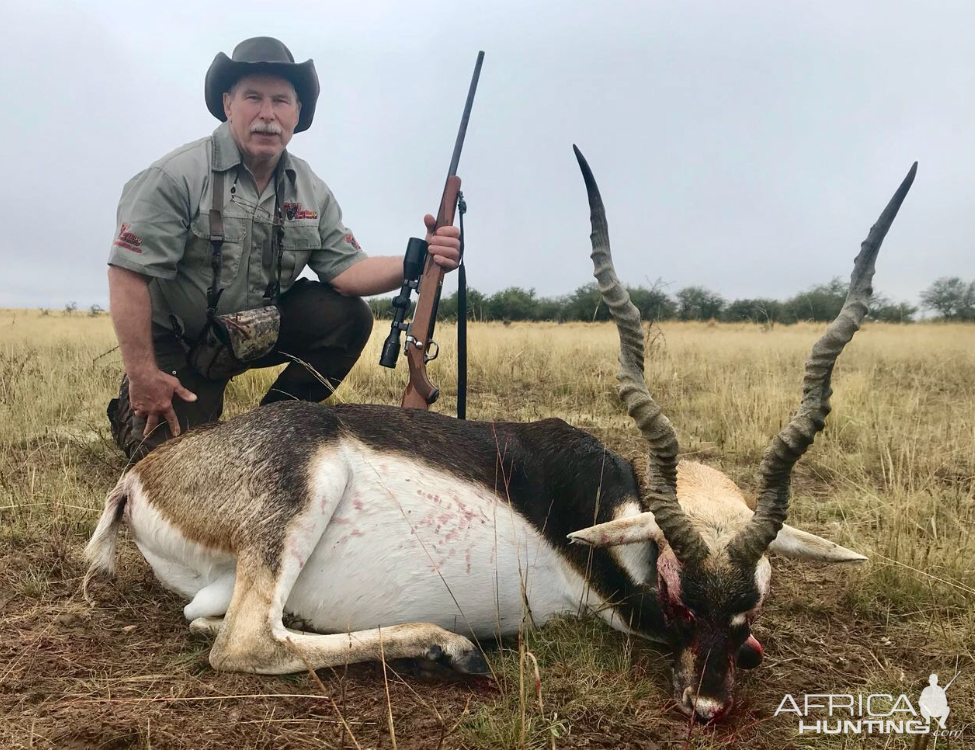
<point>231,344</point>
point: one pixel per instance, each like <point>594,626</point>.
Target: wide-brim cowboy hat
<point>262,55</point>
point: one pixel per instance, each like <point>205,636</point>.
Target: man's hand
<point>444,246</point>
<point>151,396</point>
<point>150,389</point>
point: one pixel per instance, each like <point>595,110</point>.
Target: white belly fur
<point>406,543</point>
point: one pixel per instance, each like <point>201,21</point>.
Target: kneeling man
<point>224,225</point>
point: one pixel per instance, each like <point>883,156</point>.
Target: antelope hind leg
<point>252,637</point>
<point>411,641</point>
<point>418,640</point>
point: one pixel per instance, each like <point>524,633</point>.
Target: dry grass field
<point>893,477</point>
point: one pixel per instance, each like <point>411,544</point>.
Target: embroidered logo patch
<point>128,240</point>
<point>352,241</point>
<point>294,211</point>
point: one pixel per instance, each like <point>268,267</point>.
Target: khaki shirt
<point>164,229</point>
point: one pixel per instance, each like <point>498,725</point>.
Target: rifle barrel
<point>462,132</point>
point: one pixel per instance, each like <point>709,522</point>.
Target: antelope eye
<point>685,613</point>
<point>678,612</point>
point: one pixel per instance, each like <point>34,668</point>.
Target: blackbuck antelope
<point>401,533</point>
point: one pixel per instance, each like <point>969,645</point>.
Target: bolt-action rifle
<point>420,272</point>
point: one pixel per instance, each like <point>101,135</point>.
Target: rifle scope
<point>416,255</point>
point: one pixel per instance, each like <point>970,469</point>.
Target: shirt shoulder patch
<point>352,241</point>
<point>128,240</point>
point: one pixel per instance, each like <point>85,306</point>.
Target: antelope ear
<point>668,576</point>
<point>630,530</point>
<point>801,545</point>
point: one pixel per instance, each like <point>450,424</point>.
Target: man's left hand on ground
<point>444,245</point>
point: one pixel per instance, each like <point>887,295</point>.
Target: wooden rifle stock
<point>420,392</point>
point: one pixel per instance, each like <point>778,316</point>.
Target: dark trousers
<point>318,326</point>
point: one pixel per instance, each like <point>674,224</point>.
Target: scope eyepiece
<point>416,256</point>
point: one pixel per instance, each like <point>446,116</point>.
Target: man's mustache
<point>269,127</point>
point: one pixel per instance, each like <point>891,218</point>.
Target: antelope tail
<point>100,552</point>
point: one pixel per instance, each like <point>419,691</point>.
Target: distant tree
<point>886,310</point>
<point>70,308</point>
<point>95,310</point>
<point>767,312</point>
<point>698,303</point>
<point>382,308</point>
<point>476,307</point>
<point>821,302</point>
<point>951,297</point>
<point>653,304</point>
<point>513,303</point>
<point>550,308</point>
<point>585,304</point>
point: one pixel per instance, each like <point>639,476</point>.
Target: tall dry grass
<point>893,475</point>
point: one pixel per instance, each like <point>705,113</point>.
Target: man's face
<point>262,111</point>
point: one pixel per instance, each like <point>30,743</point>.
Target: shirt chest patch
<point>295,211</point>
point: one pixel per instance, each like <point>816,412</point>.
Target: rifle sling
<point>461,317</point>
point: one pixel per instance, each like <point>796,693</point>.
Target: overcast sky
<point>744,146</point>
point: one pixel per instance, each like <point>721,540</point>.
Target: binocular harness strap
<point>216,242</point>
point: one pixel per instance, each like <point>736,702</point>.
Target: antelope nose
<point>704,708</point>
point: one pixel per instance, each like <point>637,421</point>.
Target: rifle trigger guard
<point>433,347</point>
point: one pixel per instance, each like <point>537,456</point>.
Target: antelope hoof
<point>466,660</point>
<point>206,626</point>
<point>471,663</point>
